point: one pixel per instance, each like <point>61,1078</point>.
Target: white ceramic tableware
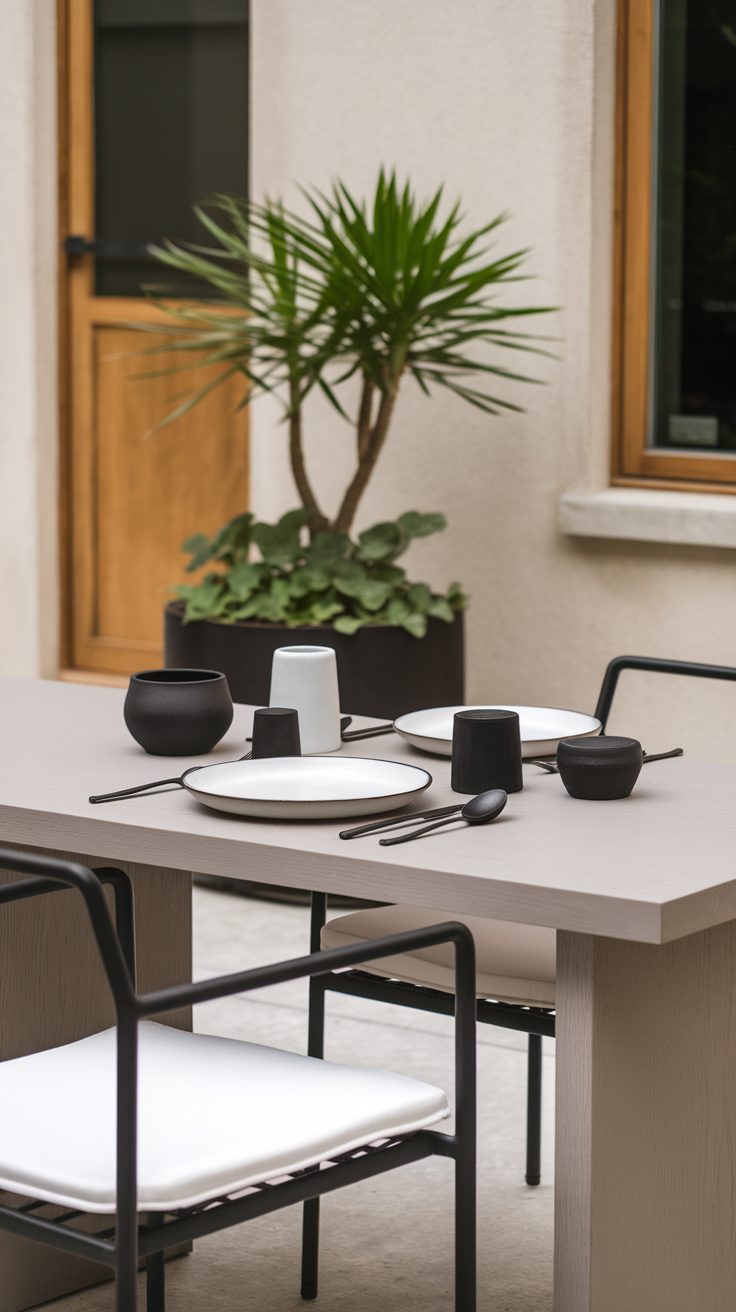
<point>542,727</point>
<point>308,787</point>
<point>306,678</point>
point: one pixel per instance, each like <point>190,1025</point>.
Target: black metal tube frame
<point>533,1021</point>
<point>657,665</point>
<point>114,947</point>
<point>420,997</point>
<point>536,1022</point>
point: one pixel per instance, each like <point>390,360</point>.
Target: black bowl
<point>599,769</point>
<point>178,712</point>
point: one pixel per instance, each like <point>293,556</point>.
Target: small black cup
<point>178,712</point>
<point>599,769</point>
<point>486,751</point>
<point>275,732</point>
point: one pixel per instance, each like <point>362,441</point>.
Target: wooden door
<point>133,162</point>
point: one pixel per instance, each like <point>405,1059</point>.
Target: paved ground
<point>386,1243</point>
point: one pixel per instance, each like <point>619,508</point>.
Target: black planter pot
<point>383,670</point>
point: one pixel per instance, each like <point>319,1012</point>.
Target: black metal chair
<point>97,1126</point>
<point>510,993</point>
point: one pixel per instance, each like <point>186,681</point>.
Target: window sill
<point>696,519</point>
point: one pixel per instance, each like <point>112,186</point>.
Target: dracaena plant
<point>377,292</point>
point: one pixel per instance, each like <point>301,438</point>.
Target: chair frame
<point>536,1022</point>
<point>121,1246</point>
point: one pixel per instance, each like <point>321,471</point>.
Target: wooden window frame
<point>634,464</point>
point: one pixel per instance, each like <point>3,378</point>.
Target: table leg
<point>645,1208</point>
<point>53,991</point>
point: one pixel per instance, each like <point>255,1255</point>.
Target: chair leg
<point>155,1273</point>
<point>534,1110</point>
<point>126,1278</point>
<point>310,1221</point>
<point>465,1236</point>
<point>466,1207</point>
<point>310,1249</point>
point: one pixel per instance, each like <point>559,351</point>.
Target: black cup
<point>486,751</point>
<point>276,732</point>
<point>178,712</point>
<point>599,769</point>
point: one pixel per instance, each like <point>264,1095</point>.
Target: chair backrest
<point>658,665</point>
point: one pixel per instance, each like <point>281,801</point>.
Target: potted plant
<point>347,300</point>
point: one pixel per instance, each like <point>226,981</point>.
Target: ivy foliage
<point>273,574</point>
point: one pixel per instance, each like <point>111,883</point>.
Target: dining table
<point>641,892</point>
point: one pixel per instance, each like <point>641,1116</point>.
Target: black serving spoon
<point>478,811</point>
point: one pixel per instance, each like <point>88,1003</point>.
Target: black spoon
<point>478,811</point>
<point>391,822</point>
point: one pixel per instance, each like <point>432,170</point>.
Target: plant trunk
<point>364,417</point>
<point>367,461</point>
<point>317,520</point>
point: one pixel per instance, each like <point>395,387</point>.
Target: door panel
<point>131,496</point>
<point>190,474</point>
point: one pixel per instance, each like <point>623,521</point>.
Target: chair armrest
<point>52,875</point>
<point>322,963</point>
<point>658,665</point>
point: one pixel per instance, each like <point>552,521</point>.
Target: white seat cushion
<point>515,963</point>
<point>215,1115</point>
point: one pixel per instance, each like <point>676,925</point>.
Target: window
<point>170,126</point>
<point>675,332</point>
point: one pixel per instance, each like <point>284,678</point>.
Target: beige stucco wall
<point>28,339</point>
<point>510,103</point>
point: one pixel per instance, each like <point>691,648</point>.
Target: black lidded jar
<point>599,769</point>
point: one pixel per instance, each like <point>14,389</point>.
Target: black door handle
<point>76,246</point>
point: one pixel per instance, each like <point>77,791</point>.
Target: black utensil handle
<point>345,722</point>
<point>648,756</point>
<point>390,822</point>
<point>356,734</point>
<point>417,833</point>
<point>663,756</point>
<point>132,792</point>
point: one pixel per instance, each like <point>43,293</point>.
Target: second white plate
<point>542,727</point>
<point>308,787</point>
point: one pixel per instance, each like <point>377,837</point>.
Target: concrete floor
<point>386,1243</point>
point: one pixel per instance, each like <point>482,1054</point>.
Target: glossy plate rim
<point>530,747</point>
<point>318,808</point>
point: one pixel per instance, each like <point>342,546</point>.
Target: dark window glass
<point>171,124</point>
<point>694,303</point>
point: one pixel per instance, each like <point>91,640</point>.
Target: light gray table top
<point>656,866</point>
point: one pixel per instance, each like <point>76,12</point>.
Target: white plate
<point>542,727</point>
<point>308,787</point>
